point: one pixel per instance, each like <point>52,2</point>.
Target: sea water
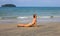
<point>25,14</point>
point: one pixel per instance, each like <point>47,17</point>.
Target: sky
<point>32,3</point>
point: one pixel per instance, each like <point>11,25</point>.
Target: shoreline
<point>18,21</point>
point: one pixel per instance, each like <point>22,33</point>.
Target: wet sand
<point>49,29</point>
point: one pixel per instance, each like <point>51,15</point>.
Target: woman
<point>30,24</point>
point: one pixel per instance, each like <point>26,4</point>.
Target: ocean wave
<point>38,17</point>
<point>25,17</point>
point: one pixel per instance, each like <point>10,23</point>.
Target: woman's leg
<point>28,25</point>
<point>24,25</point>
<point>20,25</point>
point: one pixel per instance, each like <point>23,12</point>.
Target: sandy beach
<point>49,29</point>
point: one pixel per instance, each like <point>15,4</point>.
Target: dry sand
<point>49,29</point>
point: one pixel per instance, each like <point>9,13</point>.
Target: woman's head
<point>34,15</point>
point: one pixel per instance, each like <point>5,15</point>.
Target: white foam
<point>44,16</point>
<point>21,17</point>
